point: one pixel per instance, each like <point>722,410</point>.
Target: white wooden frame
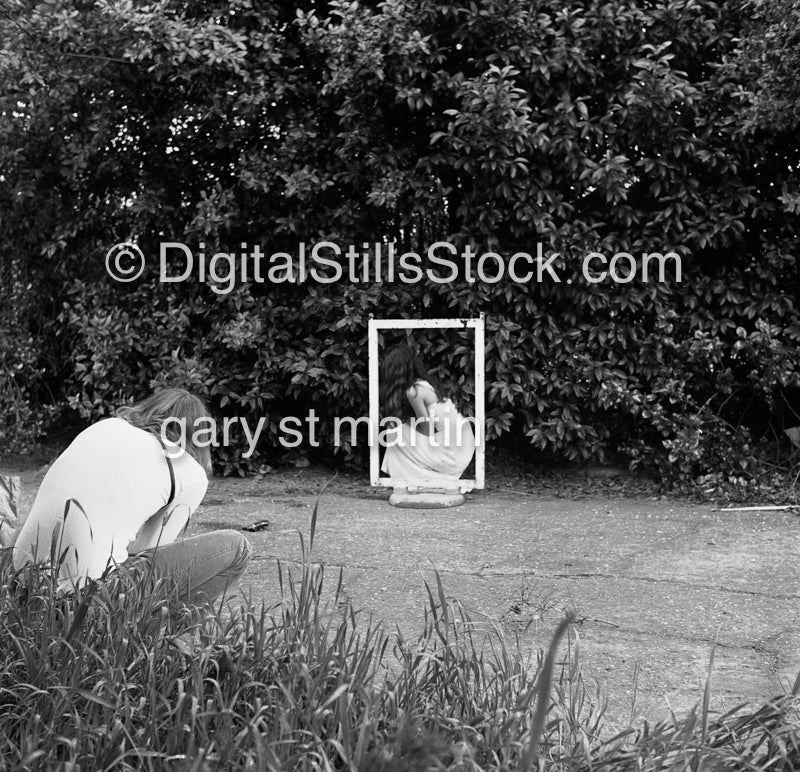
<point>464,485</point>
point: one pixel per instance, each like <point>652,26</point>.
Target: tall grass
<point>122,676</point>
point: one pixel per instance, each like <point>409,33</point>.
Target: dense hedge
<point>602,125</point>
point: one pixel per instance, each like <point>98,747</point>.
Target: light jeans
<point>203,566</point>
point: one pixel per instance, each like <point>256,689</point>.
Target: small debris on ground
<point>259,525</point>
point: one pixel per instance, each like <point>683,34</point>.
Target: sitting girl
<point>435,441</point>
<point>123,493</point>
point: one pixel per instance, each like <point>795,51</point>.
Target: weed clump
<point>123,676</point>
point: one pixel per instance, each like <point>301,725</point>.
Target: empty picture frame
<point>464,485</point>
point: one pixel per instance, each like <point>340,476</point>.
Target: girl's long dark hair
<point>400,369</point>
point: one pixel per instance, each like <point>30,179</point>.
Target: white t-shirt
<point>119,476</point>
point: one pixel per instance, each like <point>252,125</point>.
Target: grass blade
<point>316,509</point>
<point>543,694</point>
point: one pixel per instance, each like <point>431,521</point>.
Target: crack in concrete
<point>534,575</point>
<point>767,644</point>
<point>757,646</point>
<point>683,583</point>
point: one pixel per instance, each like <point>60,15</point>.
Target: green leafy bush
<point>574,128</point>
<point>24,409</point>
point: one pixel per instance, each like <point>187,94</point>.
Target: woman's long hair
<point>400,369</point>
<point>174,414</point>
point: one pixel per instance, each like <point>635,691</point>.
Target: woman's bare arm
<point>159,529</point>
<point>164,527</point>
<point>420,397</point>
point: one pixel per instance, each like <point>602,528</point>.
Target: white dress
<point>443,455</point>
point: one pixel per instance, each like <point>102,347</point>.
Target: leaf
<point>794,435</point>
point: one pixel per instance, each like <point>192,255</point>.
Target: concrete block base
<point>426,498</point>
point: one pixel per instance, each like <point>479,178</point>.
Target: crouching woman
<point>122,493</point>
